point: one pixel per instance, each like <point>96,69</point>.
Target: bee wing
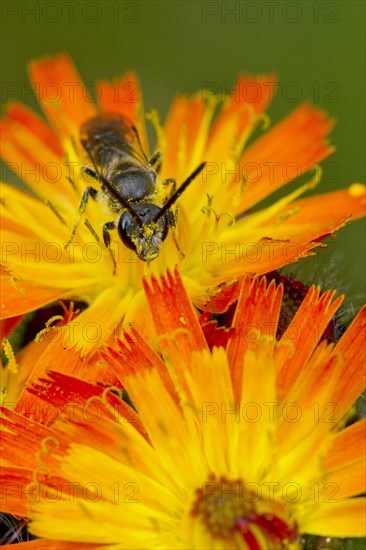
<point>135,145</point>
<point>130,135</point>
<point>111,132</point>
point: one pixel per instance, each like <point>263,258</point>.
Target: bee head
<point>144,239</point>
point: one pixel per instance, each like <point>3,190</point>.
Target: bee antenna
<point>179,191</point>
<point>121,200</point>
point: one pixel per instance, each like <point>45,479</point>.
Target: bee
<point>129,185</point>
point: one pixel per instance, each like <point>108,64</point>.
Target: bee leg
<point>174,186</point>
<point>172,225</point>
<point>90,172</point>
<point>89,192</point>
<point>171,219</point>
<point>107,242</point>
<point>155,161</point>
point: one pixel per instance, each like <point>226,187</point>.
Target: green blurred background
<point>177,46</point>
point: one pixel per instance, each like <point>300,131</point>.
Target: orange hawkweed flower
<point>234,448</point>
<point>213,242</point>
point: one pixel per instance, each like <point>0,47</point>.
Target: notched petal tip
<point>73,105</point>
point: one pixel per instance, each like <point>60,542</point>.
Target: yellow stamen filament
<point>9,353</point>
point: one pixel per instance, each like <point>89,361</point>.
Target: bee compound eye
<point>128,230</point>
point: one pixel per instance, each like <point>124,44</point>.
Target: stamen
<point>182,149</point>
<point>14,282</point>
<point>55,212</point>
<point>265,120</point>
<point>73,184</point>
<point>253,120</point>
<point>318,173</point>
<point>68,164</point>
<point>243,186</point>
<point>209,210</point>
<point>287,214</point>
<point>48,328</point>
<point>9,353</point>
<point>154,118</point>
<point>93,232</point>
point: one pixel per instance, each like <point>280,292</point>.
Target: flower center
<point>229,507</point>
<point>293,294</point>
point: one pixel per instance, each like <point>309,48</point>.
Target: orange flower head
<point>238,447</point>
<point>105,211</point>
